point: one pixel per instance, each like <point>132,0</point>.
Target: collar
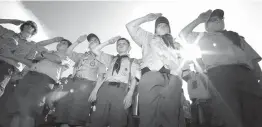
<point>20,37</point>
<point>123,55</point>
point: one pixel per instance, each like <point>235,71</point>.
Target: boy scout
<point>18,48</point>
<point>228,68</point>
<point>31,90</point>
<point>200,90</point>
<point>160,86</point>
<point>87,73</point>
<point>114,96</point>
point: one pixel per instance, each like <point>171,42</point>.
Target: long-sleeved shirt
<point>218,50</point>
<point>155,54</point>
<point>11,41</point>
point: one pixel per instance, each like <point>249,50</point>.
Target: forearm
<point>72,47</point>
<point>97,49</point>
<point>22,60</point>
<point>46,42</point>
<point>52,57</point>
<point>4,21</point>
<point>99,82</point>
<point>189,28</point>
<point>136,23</point>
<point>132,86</point>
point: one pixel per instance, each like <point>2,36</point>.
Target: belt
<point>230,66</point>
<point>80,78</point>
<point>162,70</point>
<point>116,84</point>
<point>37,73</point>
<point>197,101</point>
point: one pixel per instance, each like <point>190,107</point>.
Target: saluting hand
<point>128,100</point>
<point>82,38</point>
<point>153,16</point>
<point>58,39</point>
<point>203,17</point>
<point>114,39</point>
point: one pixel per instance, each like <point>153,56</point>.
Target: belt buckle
<point>117,84</point>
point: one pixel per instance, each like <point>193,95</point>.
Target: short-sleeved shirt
<point>23,49</point>
<point>87,66</point>
<point>252,55</point>
<point>218,50</point>
<point>150,58</point>
<point>124,73</point>
<point>45,66</point>
<point>7,43</point>
<point>198,86</point>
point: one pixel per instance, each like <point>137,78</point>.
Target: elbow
<point>182,34</point>
<point>95,51</point>
<point>129,27</point>
<point>38,44</point>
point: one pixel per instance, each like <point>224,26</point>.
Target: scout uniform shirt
<point>198,86</point>
<point>218,50</point>
<point>25,49</point>
<point>149,57</point>
<point>7,44</point>
<point>152,59</point>
<point>123,74</point>
<point>251,53</point>
<point>168,55</point>
<point>51,69</point>
<point>87,66</point>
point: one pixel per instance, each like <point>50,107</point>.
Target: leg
<point>194,114</point>
<point>15,121</point>
<point>64,99</point>
<point>149,89</point>
<point>80,107</point>
<point>170,109</point>
<point>227,102</point>
<point>64,125</point>
<point>27,121</point>
<point>251,99</point>
<point>99,117</point>
<point>117,115</point>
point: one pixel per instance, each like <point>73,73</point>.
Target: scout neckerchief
<point>131,61</point>
<point>168,40</point>
<point>233,36</point>
<point>117,64</point>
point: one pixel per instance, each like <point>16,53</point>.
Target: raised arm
<point>19,59</point>
<point>52,57</point>
<point>97,49</point>
<point>139,35</point>
<point>78,41</point>
<point>188,30</point>
<point>11,21</point>
<point>49,41</point>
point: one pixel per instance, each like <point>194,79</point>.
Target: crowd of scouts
<point>108,90</point>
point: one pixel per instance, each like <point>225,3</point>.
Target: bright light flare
<point>57,95</point>
<point>190,52</point>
